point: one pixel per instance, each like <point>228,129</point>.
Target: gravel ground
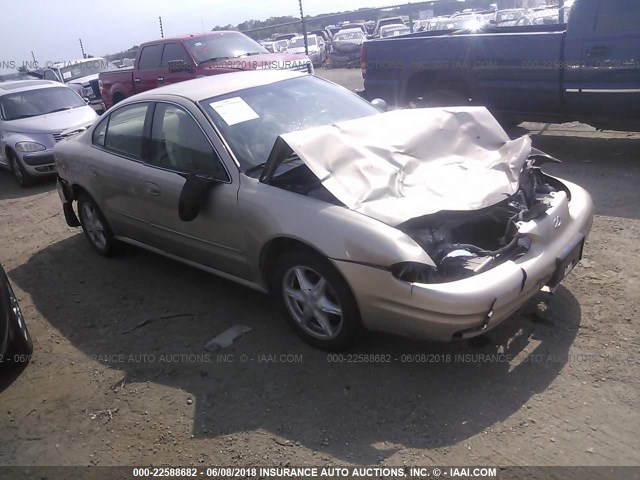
<point>100,391</point>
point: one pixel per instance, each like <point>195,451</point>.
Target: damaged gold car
<point>429,223</point>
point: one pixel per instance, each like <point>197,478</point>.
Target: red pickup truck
<point>172,60</point>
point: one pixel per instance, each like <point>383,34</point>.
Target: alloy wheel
<point>312,302</point>
<point>93,226</point>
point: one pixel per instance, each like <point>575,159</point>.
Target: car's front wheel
<point>23,177</point>
<point>317,301</point>
<point>95,227</point>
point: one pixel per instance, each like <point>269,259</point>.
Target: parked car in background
<point>322,33</point>
<point>284,36</point>
<point>315,47</point>
<point>586,70</point>
<point>81,75</point>
<point>16,345</point>
<point>33,115</point>
<point>387,31</point>
<point>510,17</point>
<point>275,47</point>
<point>429,223</point>
<point>387,21</point>
<point>549,16</point>
<point>345,48</point>
<point>172,60</point>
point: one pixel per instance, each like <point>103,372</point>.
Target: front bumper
<point>472,306</point>
<point>39,163</point>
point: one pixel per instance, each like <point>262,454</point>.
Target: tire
<point>21,346</point>
<point>444,98</point>
<point>96,228</point>
<point>316,300</point>
<point>23,177</point>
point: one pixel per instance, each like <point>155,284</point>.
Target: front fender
<point>335,231</point>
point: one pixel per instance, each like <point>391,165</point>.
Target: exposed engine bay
<point>467,243</point>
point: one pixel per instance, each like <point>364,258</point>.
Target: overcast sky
<point>51,28</point>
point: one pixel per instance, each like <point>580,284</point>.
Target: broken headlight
<point>414,272</point>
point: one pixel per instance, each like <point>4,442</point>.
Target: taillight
<point>363,62</point>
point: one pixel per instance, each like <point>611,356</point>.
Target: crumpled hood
<point>406,164</point>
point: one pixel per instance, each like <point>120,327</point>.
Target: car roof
<point>215,85</point>
<point>24,85</point>
<point>350,30</point>
<point>192,36</point>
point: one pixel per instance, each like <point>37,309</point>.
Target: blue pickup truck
<point>587,69</point>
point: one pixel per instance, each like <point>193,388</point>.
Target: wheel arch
<point>276,248</point>
<point>421,83</point>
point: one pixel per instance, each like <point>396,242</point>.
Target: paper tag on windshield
<point>234,110</point>
<point>66,75</point>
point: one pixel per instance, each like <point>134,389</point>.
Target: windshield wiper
<point>214,59</point>
<point>249,54</point>
<point>59,110</point>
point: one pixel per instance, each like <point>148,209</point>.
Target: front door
<point>179,148</point>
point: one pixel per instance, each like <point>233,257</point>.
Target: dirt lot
<point>93,394</point>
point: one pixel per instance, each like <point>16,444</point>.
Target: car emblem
<point>557,222</point>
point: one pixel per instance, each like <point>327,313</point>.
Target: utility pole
<point>82,49</point>
<point>304,29</point>
<point>34,57</point>
<point>161,30</point>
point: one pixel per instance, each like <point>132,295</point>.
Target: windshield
<point>355,35</point>
<point>33,103</point>
<point>250,120</point>
<point>76,70</point>
<point>299,42</point>
<point>394,32</point>
<point>222,45</point>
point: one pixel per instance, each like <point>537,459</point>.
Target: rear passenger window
<point>100,132</point>
<point>618,16</point>
<point>178,143</point>
<point>126,129</point>
<point>150,58</point>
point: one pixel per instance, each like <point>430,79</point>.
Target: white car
<point>33,115</point>
<point>317,51</point>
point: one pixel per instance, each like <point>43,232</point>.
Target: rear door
<point>116,170</point>
<point>149,69</point>
<point>176,64</point>
<point>610,76</point>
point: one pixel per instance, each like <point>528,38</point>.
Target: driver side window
<point>178,143</point>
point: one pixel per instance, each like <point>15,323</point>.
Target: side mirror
<point>194,195</point>
<point>380,104</point>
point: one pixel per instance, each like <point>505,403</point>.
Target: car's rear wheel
<point>316,300</point>
<point>23,177</point>
<point>21,346</point>
<point>95,227</point>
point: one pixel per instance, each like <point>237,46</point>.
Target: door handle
<point>161,79</point>
<point>597,51</point>
<point>152,189</point>
<point>136,80</point>
<point>93,171</point>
